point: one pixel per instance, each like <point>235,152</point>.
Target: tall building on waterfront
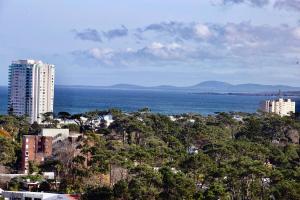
<point>282,107</point>
<point>31,89</point>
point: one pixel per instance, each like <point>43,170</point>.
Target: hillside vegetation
<point>143,155</point>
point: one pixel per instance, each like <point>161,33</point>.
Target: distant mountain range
<point>208,87</point>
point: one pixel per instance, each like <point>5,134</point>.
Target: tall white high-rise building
<point>31,89</point>
<point>282,107</point>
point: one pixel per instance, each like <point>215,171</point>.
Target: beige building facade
<point>282,107</point>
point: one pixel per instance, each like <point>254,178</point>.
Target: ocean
<point>82,99</point>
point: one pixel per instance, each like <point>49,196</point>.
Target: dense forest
<point>144,155</point>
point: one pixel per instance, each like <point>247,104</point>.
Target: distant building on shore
<point>31,89</point>
<point>282,107</point>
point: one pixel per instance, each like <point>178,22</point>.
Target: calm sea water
<point>76,100</point>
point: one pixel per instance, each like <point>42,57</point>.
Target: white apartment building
<point>31,89</point>
<point>282,107</point>
<point>55,133</point>
<point>24,195</point>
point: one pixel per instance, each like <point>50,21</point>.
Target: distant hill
<point>223,87</point>
<point>126,86</point>
<point>211,86</point>
<point>207,87</point>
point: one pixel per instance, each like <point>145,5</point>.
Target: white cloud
<point>100,53</point>
<point>202,31</point>
<point>174,45</point>
<point>288,4</point>
<point>241,35</point>
<point>296,33</point>
<point>279,4</point>
<point>177,44</point>
<point>156,45</point>
<point>171,46</point>
<point>258,3</point>
<point>152,54</point>
<point>162,51</point>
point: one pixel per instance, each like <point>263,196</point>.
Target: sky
<point>155,42</point>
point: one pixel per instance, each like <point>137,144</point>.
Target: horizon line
<point>131,84</point>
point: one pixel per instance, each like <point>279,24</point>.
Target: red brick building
<point>35,148</point>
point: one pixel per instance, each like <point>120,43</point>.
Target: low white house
<point>193,150</point>
<point>49,175</point>
<point>56,134</point>
<point>108,119</point>
<point>11,195</point>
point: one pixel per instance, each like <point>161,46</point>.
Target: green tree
<point>176,185</point>
<point>98,193</point>
<point>7,152</point>
<point>33,167</point>
<point>64,116</point>
<point>120,190</point>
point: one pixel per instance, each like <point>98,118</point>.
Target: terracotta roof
<point>73,196</point>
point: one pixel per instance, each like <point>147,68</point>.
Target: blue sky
<point>155,42</point>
